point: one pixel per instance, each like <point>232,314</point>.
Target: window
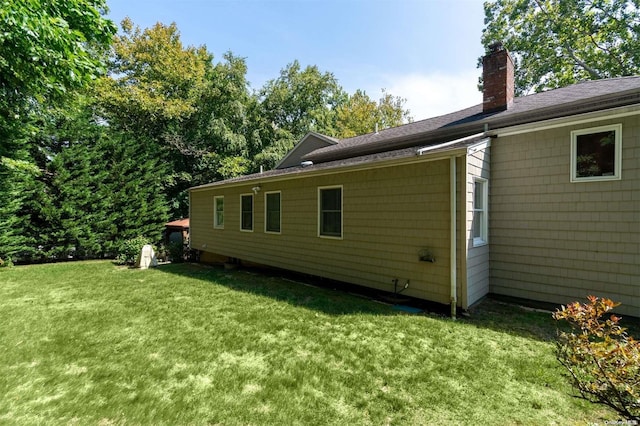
<point>246,212</point>
<point>272,212</point>
<point>480,219</point>
<point>330,212</point>
<point>218,212</point>
<point>596,153</point>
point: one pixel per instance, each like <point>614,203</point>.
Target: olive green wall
<point>389,215</point>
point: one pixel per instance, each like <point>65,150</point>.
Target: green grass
<point>92,343</point>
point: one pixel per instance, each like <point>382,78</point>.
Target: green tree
<point>361,115</point>
<point>191,112</point>
<point>559,42</point>
<point>48,49</point>
<point>298,101</point>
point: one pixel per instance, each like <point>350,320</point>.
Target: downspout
<point>453,245</point>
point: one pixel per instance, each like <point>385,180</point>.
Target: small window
<point>272,212</point>
<point>218,214</point>
<point>330,212</point>
<point>596,153</point>
<point>246,212</point>
<point>480,224</point>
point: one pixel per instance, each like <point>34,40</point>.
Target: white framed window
<point>218,212</point>
<point>272,212</point>
<point>596,154</point>
<point>480,226</point>
<point>246,212</point>
<point>330,212</point>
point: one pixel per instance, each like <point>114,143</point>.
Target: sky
<point>425,51</point>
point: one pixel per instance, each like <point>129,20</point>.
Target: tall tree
<point>48,48</point>
<point>559,42</point>
<point>191,112</point>
<point>298,101</point>
<point>360,114</point>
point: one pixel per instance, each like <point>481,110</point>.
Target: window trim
<point>483,239</point>
<point>331,237</point>
<point>253,207</point>
<point>217,225</point>
<point>617,174</point>
<point>266,211</point>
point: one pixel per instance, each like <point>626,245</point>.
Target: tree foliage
<point>298,101</point>
<point>103,134</point>
<point>48,50</point>
<point>360,114</point>
<point>49,46</point>
<point>603,361</point>
<point>560,42</point>
<point>193,113</point>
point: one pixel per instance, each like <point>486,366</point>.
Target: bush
<point>130,249</point>
<point>176,251</point>
<point>602,360</point>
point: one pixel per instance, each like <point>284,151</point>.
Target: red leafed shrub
<point>602,360</point>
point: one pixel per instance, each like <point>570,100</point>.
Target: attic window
<point>596,154</point>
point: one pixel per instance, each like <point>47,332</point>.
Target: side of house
<point>535,197</point>
<point>565,211</point>
<point>367,227</point>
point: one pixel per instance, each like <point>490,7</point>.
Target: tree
<point>560,42</point>
<point>191,112</point>
<point>360,114</point>
<point>298,101</point>
<point>50,46</point>
<point>48,49</point>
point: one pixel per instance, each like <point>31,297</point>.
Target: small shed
<point>177,231</point>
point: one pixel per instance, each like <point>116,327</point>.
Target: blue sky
<point>423,50</point>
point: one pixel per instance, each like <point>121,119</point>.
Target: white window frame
<point>617,174</point>
<point>483,239</point>
<point>253,216</point>
<point>320,234</point>
<point>216,224</point>
<point>266,212</point>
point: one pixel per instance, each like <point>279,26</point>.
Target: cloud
<point>431,95</point>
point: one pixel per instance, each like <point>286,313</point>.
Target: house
<point>534,197</point>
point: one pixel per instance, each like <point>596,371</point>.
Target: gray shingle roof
<point>578,98</point>
<point>397,154</point>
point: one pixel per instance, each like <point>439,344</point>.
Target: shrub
<point>176,251</point>
<point>602,360</point>
<point>130,249</point>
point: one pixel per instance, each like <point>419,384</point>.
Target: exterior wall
<point>557,241</point>
<point>389,215</point>
<point>477,270</point>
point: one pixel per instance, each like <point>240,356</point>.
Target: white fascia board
<point>425,150</point>
<point>588,117</point>
<point>483,144</point>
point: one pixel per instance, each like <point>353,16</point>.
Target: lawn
<point>94,343</point>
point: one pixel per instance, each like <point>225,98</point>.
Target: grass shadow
<point>337,298</point>
<point>297,290</point>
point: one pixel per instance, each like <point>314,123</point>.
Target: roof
<point>180,223</point>
<point>398,154</point>
<point>578,98</point>
<point>456,128</point>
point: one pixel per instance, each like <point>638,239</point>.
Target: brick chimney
<point>498,81</point>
